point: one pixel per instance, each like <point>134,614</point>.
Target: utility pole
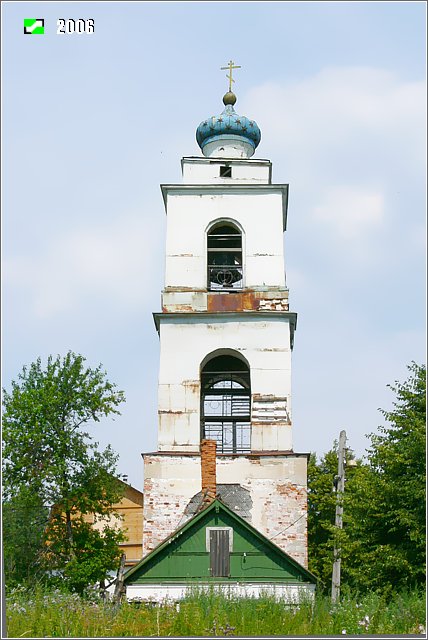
<point>339,483</point>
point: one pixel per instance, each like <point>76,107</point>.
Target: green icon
<point>34,25</point>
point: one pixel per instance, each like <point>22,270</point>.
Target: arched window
<point>224,257</point>
<point>225,404</point>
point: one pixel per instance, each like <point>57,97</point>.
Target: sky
<point>94,123</point>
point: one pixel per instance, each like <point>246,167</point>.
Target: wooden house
<point>130,510</point>
<point>217,547</point>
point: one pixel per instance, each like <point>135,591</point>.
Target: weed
<point>38,613</point>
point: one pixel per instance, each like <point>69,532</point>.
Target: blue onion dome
<point>227,129</point>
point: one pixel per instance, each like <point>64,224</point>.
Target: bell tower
<point>226,336</point>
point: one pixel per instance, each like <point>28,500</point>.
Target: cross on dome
<point>228,134</point>
<point>231,65</point>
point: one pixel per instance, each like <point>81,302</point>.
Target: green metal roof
<point>183,555</point>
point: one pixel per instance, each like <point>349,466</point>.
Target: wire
<point>282,530</point>
<point>289,526</point>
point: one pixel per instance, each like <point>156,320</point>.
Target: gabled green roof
<point>184,551</point>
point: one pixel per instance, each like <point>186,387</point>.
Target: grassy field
<point>41,614</point>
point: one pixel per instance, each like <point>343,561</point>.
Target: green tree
<point>322,499</point>
<point>95,550</point>
<point>24,521</point>
<point>49,456</point>
<point>394,513</point>
<point>321,513</point>
<point>383,538</point>
<point>354,539</point>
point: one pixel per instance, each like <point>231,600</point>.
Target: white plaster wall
<point>185,300</point>
<point>234,147</point>
<point>246,172</point>
<point>261,218</point>
<point>208,172</point>
<point>184,472</point>
<point>292,594</point>
<point>186,341</point>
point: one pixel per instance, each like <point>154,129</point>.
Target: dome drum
<point>228,146</point>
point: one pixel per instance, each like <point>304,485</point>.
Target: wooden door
<point>219,553</point>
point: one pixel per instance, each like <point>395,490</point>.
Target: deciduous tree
<point>24,520</point>
<point>49,454</point>
<point>384,536</point>
<point>395,497</point>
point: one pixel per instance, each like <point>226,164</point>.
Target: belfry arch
<point>226,403</point>
<point>224,257</point>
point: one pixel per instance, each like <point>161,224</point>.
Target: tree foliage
<point>95,550</point>
<point>383,538</point>
<point>49,456</point>
<point>397,458</point>
<point>24,521</point>
<point>321,514</point>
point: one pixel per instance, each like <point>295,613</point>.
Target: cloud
<point>351,212</point>
<point>90,263</point>
<point>352,141</point>
<point>337,104</point>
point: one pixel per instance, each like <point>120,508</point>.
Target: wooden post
<point>118,589</point>
<point>3,597</point>
<point>340,488</point>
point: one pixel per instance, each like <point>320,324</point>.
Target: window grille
<point>225,400</point>
<point>224,258</point>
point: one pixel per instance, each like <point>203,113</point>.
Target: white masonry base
<point>291,593</point>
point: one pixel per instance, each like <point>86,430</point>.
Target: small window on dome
<point>225,171</point>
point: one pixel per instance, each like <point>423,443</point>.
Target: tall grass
<point>37,614</point>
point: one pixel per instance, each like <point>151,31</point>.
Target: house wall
<point>291,593</point>
<point>130,510</point>
<point>277,486</point>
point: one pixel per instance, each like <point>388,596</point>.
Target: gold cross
<point>230,66</point>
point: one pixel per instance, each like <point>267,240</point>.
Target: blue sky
<point>92,124</point>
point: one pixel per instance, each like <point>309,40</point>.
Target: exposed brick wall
<point>162,513</point>
<point>285,515</point>
<point>279,508</point>
<point>277,304</point>
<point>164,500</point>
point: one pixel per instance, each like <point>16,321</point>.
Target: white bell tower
<point>226,336</point>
